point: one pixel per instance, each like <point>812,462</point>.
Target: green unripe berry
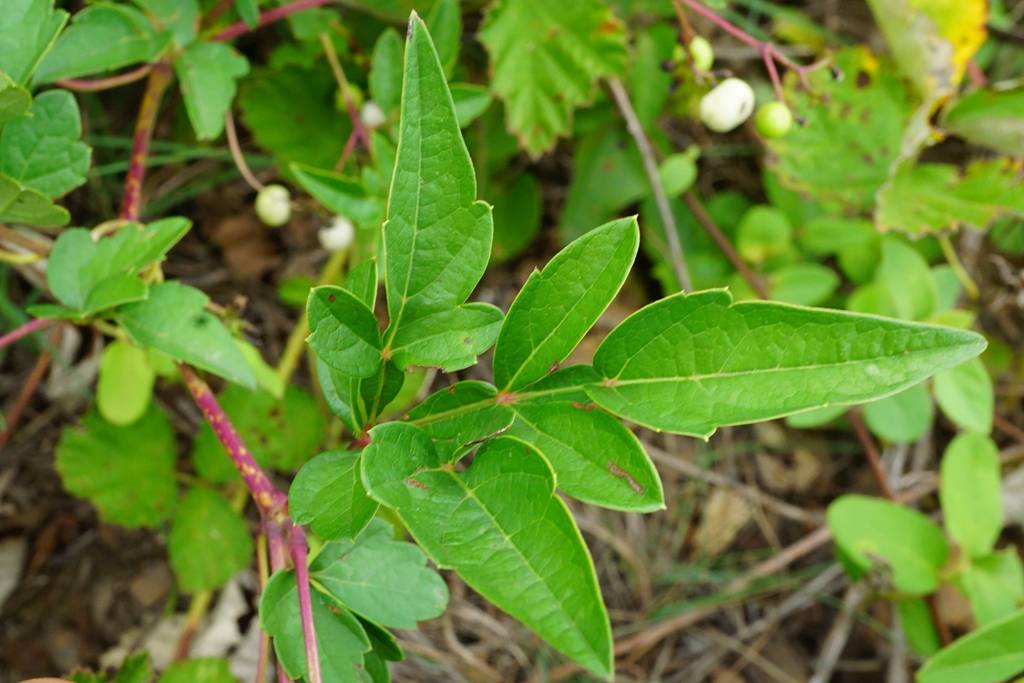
<point>701,53</point>
<point>774,120</point>
<point>273,205</point>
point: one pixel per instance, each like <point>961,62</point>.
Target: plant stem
<point>719,238</point>
<point>300,552</point>
<point>159,79</point>
<point>24,330</point>
<point>643,144</point>
<point>358,130</point>
<point>949,251</point>
<point>871,451</point>
<point>13,414</point>
<point>270,501</point>
<point>97,84</point>
<point>236,153</point>
<point>269,17</point>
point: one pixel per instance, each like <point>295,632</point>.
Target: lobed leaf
<point>209,542</point>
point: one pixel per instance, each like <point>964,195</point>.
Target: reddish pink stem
<point>25,330</point>
<point>95,84</point>
<point>269,499</point>
<point>159,79</point>
<point>269,17</point>
<point>300,559</point>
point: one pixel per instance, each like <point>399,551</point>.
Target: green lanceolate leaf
<point>90,275</point>
<point>987,655</point>
<point>870,531</point>
<point>104,463</point>
<point>437,238</point>
<point>971,494</point>
<point>691,363</point>
<point>44,151</point>
<point>125,383</point>
<point>461,414</point>
<point>500,526</point>
<point>558,305</point>
<point>20,204</point>
<point>386,71</point>
<point>173,319</point>
<point>209,542</point>
<point>280,433</point>
<point>208,73</point>
<point>102,37</point>
<point>341,639</point>
<point>965,395</point>
<point>342,195</point>
<point>14,99</point>
<point>381,579</point>
<point>595,458</point>
<point>328,495</point>
<point>450,340</point>
<point>344,333</point>
<point>546,58</point>
<point>29,28</point>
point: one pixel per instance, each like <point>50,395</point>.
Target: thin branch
<point>871,451</point>
<point>28,389</point>
<point>236,153</point>
<point>299,551</point>
<point>97,84</point>
<point>358,129</point>
<point>643,144</point>
<point>269,17</point>
<point>719,238</point>
<point>838,636</point>
<point>24,330</point>
<point>159,79</point>
<point>270,501</point>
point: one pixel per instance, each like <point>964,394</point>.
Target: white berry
<point>273,205</point>
<point>338,235</point>
<point>372,115</point>
<point>727,105</point>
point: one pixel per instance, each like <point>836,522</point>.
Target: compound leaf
<point>381,579</point>
<point>546,59</point>
<point>500,526</point>
<point>691,363</point>
<point>559,304</point>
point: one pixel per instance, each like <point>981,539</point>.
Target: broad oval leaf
<point>559,304</point>
<point>125,383</point>
<point>450,340</point>
<point>208,73</point>
<point>987,655</point>
<point>437,238</point>
<point>970,491</point>
<point>209,542</point>
<point>903,417</point>
<point>328,495</point>
<point>595,458</point>
<point>994,584</point>
<point>908,545</point>
<point>344,332</point>
<point>381,579</point>
<point>691,363</point>
<point>502,528</point>
<point>965,395</point>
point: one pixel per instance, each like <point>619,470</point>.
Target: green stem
<point>949,251</point>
